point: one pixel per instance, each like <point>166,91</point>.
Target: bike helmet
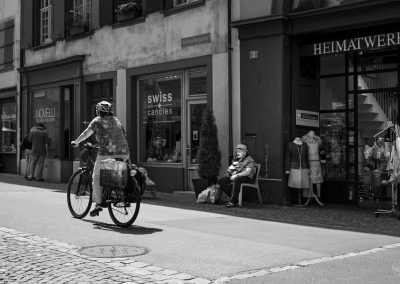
<point>104,107</point>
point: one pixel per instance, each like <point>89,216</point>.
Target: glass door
<point>195,109</point>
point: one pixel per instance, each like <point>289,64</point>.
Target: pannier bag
<point>113,173</point>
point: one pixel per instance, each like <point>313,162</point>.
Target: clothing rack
<point>390,125</point>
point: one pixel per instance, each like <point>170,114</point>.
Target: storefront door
<point>195,109</point>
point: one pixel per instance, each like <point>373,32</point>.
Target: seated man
<point>241,171</point>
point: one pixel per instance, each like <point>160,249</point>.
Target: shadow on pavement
<point>330,216</point>
<point>20,180</point>
<point>132,230</point>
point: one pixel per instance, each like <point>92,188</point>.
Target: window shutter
<point>154,6</point>
<point>58,19</point>
<point>27,24</point>
<point>106,11</point>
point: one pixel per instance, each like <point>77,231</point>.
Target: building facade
<point>161,63</point>
<point>328,66</point>
<point>9,85</point>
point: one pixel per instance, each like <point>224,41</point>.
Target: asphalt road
<point>212,246</point>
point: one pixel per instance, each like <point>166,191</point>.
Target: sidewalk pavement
<point>334,216</point>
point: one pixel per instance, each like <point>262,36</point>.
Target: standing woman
<point>112,142</point>
<point>26,146</point>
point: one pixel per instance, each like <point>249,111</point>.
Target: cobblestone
<point>39,260</point>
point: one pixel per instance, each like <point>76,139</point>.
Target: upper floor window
<point>127,9</point>
<point>6,44</point>
<point>79,17</point>
<point>45,21</point>
<point>183,2</point>
<point>304,5</point>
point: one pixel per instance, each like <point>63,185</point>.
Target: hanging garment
<point>394,161</point>
<point>297,163</point>
<point>314,142</point>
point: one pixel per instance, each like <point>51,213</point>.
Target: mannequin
<point>297,165</point>
<point>314,143</point>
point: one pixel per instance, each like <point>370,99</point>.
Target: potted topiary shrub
<point>208,154</point>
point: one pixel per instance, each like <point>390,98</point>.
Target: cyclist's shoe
<point>95,211</point>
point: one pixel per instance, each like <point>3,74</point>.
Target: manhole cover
<point>113,251</point>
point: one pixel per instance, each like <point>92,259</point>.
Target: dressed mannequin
<point>297,165</point>
<point>314,143</point>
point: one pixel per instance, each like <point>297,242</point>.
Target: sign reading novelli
<point>45,114</point>
<point>358,43</point>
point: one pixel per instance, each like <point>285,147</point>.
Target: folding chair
<point>254,184</point>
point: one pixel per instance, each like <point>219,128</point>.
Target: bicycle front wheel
<point>123,214</point>
<point>79,194</point>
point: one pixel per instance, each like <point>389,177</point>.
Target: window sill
<point>6,69</point>
<point>182,8</point>
<point>129,22</point>
<point>160,164</point>
<point>43,46</point>
<point>79,36</point>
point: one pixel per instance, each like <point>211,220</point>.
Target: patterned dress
<point>314,142</point>
<point>394,161</point>
<point>111,137</point>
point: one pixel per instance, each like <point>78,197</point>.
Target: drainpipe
<point>230,82</point>
<point>19,103</point>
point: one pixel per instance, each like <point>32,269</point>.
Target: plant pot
<point>199,185</point>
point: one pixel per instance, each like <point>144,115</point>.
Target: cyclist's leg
<point>97,188</point>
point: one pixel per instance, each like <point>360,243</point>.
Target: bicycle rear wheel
<point>79,194</point>
<point>123,214</point>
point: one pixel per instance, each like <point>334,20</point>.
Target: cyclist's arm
<point>84,135</point>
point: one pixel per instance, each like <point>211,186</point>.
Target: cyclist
<point>112,144</point>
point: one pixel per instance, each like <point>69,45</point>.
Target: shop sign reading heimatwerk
<point>358,43</point>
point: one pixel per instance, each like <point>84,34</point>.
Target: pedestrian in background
<point>39,139</point>
<point>26,147</point>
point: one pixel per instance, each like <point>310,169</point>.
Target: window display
<point>46,110</point>
<point>8,120</point>
<point>333,133</point>
<point>160,119</point>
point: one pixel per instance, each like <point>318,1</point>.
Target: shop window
<point>333,64</point>
<point>308,67</point>
<point>46,110</point>
<point>7,45</point>
<point>160,119</point>
<point>333,93</point>
<point>79,17</point>
<point>197,83</point>
<point>8,120</point>
<point>304,5</point>
<point>99,91</point>
<point>127,9</point>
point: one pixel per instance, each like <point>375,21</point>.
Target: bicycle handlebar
<point>88,145</point>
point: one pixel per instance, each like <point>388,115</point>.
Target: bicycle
<point>123,206</point>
